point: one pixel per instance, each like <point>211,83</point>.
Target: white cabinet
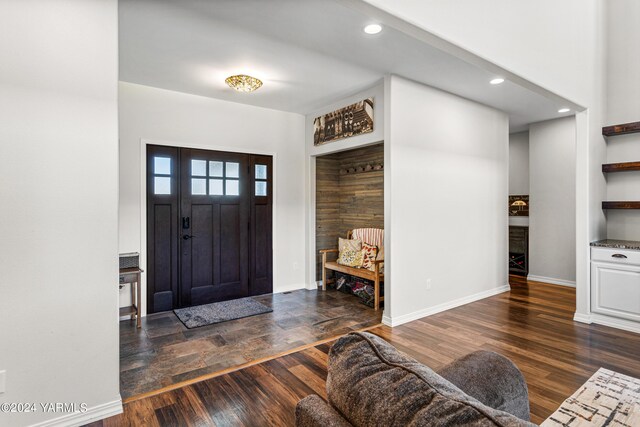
<point>615,283</point>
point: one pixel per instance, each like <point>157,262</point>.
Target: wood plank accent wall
<point>327,206</point>
<point>347,201</point>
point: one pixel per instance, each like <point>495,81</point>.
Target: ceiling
<point>309,53</point>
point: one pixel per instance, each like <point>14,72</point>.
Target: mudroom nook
<point>350,219</point>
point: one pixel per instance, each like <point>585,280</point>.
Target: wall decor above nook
<point>352,120</point>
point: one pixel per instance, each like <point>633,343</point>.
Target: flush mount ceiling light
<point>243,83</point>
<point>564,110</point>
<point>497,81</point>
<point>373,28</point>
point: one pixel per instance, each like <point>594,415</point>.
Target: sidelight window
<point>161,175</point>
<point>261,180</point>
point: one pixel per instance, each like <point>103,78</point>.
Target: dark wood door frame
<point>259,226</point>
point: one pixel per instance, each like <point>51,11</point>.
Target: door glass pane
<point>198,186</point>
<point>199,167</point>
<point>215,169</point>
<point>215,187</point>
<point>261,188</point>
<point>162,165</point>
<point>161,185</point>
<point>233,170</point>
<point>261,172</point>
<point>232,187</point>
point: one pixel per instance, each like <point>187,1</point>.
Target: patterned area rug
<point>607,399</point>
<point>208,314</point>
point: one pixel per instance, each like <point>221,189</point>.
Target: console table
<point>132,275</point>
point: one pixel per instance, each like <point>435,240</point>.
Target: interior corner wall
<point>59,222</point>
<point>170,117</point>
<point>552,207</point>
<point>519,163</point>
<point>448,175</point>
<point>623,106</point>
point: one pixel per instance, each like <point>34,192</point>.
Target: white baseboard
<point>582,318</point>
<point>552,280</point>
<point>405,318</point>
<point>289,288</point>
<point>612,322</point>
<point>92,414</point>
<point>386,320</point>
<point>314,286</point>
<point>627,325</point>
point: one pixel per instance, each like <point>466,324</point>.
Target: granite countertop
<point>617,244</point>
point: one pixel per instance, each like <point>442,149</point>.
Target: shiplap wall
<point>347,201</point>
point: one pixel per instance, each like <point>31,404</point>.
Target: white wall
<point>181,119</point>
<point>556,45</point>
<point>552,210</point>
<point>623,105</point>
<point>59,221</point>
<point>519,163</point>
<point>623,61</point>
<point>377,93</point>
<point>519,171</point>
<point>449,185</point>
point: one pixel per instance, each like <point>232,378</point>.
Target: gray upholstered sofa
<point>370,383</point>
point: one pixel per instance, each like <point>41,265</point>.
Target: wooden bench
<point>376,275</point>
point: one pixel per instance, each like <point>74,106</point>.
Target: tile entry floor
<point>164,352</point>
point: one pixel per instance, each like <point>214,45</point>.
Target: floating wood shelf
<point>622,129</point>
<point>620,205</point>
<point>621,167</point>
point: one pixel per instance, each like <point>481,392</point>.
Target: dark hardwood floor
<point>532,324</point>
<point>164,353</point>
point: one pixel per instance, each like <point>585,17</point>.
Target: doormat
<point>607,399</point>
<point>217,312</point>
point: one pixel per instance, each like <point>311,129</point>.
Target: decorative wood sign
<point>519,205</point>
<point>352,120</point>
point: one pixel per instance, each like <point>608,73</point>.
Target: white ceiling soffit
<point>308,53</point>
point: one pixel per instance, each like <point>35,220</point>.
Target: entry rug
<point>208,314</point>
<point>607,399</point>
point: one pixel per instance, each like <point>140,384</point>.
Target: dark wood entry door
<point>209,232</point>
<point>215,226</point>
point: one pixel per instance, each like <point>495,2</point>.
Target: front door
<point>209,232</point>
<point>214,226</point>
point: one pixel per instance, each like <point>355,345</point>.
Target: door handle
<point>187,237</point>
<point>618,256</point>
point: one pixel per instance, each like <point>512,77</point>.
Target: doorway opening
<point>209,226</point>
<point>349,200</point>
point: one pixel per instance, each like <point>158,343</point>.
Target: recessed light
<point>497,81</point>
<point>373,28</point>
<point>564,110</point>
